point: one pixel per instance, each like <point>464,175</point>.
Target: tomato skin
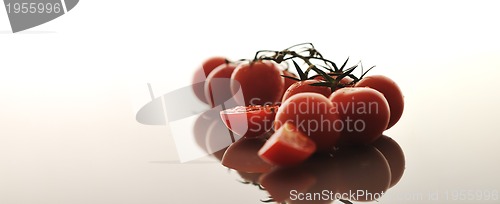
<point>364,112</point>
<point>261,83</point>
<point>218,84</point>
<point>288,82</point>
<point>394,156</point>
<point>305,86</point>
<point>312,114</point>
<point>287,147</point>
<point>251,121</point>
<point>391,92</point>
<point>242,156</point>
<point>201,74</point>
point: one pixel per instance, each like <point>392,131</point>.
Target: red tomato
<point>217,86</point>
<point>201,74</point>
<point>394,155</point>
<point>305,86</point>
<point>289,82</point>
<point>261,83</point>
<point>287,146</point>
<point>242,156</point>
<point>391,92</point>
<point>312,114</point>
<point>251,121</point>
<point>364,114</point>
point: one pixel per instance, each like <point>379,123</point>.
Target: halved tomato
<point>287,146</point>
<point>249,121</point>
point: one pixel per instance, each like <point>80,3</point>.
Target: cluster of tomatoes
<point>313,107</point>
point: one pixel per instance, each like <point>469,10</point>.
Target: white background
<point>67,128</point>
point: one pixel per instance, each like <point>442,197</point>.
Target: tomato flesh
<point>287,146</point>
<point>249,121</point>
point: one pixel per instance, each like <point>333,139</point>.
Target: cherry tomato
<point>251,121</point>
<point>391,92</point>
<point>287,146</point>
<point>312,114</point>
<point>242,156</point>
<point>201,74</point>
<point>305,86</point>
<point>394,155</point>
<point>364,113</point>
<point>361,168</point>
<point>217,86</point>
<point>261,83</point>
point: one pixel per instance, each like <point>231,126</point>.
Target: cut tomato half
<point>287,146</point>
<point>249,121</point>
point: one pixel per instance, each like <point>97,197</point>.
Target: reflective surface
<point>68,132</point>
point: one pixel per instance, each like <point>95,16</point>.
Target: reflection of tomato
<point>249,121</point>
<point>242,156</point>
<point>311,114</point>
<point>217,85</point>
<point>364,113</point>
<point>361,168</point>
<point>394,155</point>
<point>305,86</point>
<point>249,177</point>
<point>261,83</point>
<point>391,92</point>
<point>287,146</point>
<point>281,181</point>
<point>201,74</point>
<point>211,135</point>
